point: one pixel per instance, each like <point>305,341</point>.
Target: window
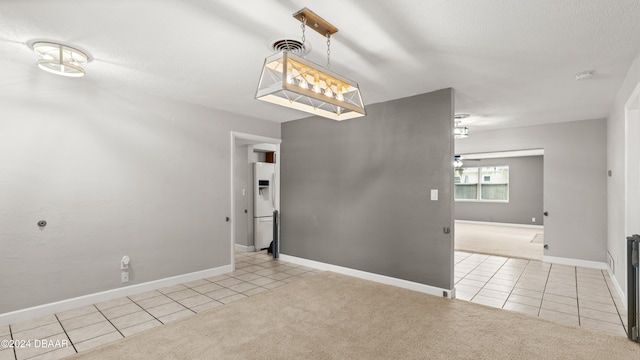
<point>467,188</point>
<point>494,184</point>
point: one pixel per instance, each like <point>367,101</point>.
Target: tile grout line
<point>476,294</point>
<point>145,310</point>
<point>544,289</point>
<point>15,355</point>
<point>575,271</point>
<point>614,302</point>
<point>65,332</point>
<point>516,283</point>
<point>109,320</point>
<point>491,277</point>
<point>465,258</point>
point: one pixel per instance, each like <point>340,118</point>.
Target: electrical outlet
<point>124,276</point>
<point>533,220</point>
<point>611,263</point>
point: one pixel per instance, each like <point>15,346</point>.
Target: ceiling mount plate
<point>315,22</point>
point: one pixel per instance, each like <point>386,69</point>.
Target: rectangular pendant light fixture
<point>295,82</point>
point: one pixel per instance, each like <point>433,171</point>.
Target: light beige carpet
<point>331,316</point>
<point>515,242</point>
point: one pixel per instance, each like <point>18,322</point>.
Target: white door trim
<point>632,104</point>
<point>255,139</point>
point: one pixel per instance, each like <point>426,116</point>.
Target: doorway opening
<point>246,150</point>
<point>632,174</point>
<point>632,164</point>
<point>499,203</point>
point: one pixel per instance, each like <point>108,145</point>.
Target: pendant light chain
<point>328,51</point>
<point>303,26</point>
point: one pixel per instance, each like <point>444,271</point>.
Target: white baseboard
<point>575,262</point>
<point>243,248</point>
<point>383,279</point>
<point>619,290</point>
<point>528,226</point>
<point>64,305</point>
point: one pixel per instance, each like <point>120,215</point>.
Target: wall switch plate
<point>434,194</point>
<point>124,277</point>
<point>124,263</point>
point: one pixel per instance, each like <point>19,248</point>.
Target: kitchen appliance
<point>264,203</point>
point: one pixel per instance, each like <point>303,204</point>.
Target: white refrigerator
<point>264,203</point>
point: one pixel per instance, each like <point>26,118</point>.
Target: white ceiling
<point>511,62</point>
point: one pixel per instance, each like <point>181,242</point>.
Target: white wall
<point>115,174</point>
<point>574,181</point>
<point>616,141</point>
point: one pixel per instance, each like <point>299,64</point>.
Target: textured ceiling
<point>512,63</point>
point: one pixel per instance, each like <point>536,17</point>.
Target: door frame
<point>249,139</point>
<point>631,148</point>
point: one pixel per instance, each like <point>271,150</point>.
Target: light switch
<point>434,194</point>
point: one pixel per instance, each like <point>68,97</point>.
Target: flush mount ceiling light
<point>295,82</point>
<point>459,131</point>
<point>60,59</point>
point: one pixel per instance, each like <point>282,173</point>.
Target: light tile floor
<point>572,295</point>
<point>569,294</point>
<point>90,326</point>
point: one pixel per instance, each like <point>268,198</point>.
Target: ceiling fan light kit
<point>292,81</point>
<point>459,131</point>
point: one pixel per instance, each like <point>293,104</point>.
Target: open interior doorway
<point>499,203</point>
<point>632,174</point>
<point>632,164</point>
<point>246,151</point>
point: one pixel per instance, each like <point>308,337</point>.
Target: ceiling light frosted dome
<point>60,59</point>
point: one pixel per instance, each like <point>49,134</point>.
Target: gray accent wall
<point>357,193</point>
<point>575,181</point>
<point>525,194</point>
<point>124,174</point>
